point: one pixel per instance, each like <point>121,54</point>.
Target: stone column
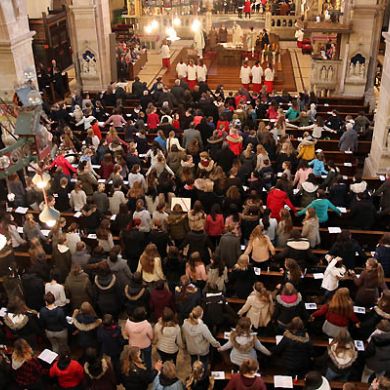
<point>16,55</point>
<point>90,29</point>
<point>379,157</point>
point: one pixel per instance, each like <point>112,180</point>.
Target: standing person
<point>269,78</point>
<point>181,70</point>
<point>257,74</point>
<point>247,8</point>
<point>243,343</point>
<point>369,282</point>
<point>53,320</point>
<point>311,227</point>
<point>198,337</point>
<point>165,55</point>
<point>167,336</point>
<point>258,306</point>
<point>260,247</point>
<point>201,71</point>
<point>245,75</point>
<point>27,370</point>
<point>140,334</point>
<point>247,378</point>
<point>191,75</point>
<point>68,372</point>
<point>334,272</point>
<point>338,313</point>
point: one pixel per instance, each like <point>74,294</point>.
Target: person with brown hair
<point>258,306</point>
<point>167,336</point>
<point>338,313</point>
<point>149,265</point>
<point>135,374</point>
<point>196,270</point>
<point>259,247</point>
<point>243,343</point>
<point>341,355</point>
<point>369,282</point>
<point>294,350</point>
<point>197,217</point>
<point>285,226</point>
<point>242,277</point>
<point>28,371</point>
<point>198,337</point>
<point>293,272</point>
<point>167,378</point>
<point>247,377</point>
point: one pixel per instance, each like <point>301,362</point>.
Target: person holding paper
<point>27,369</point>
<point>321,205</point>
<point>243,343</point>
<point>334,272</point>
<point>338,313</point>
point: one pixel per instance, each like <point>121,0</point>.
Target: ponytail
<point>195,314</point>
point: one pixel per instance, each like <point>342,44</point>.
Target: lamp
<point>3,241</point>
<point>41,180</point>
<point>176,21</point>
<point>49,215</point>
<point>196,25</point>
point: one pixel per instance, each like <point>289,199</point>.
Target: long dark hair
<point>215,210</point>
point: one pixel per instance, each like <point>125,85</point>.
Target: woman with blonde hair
<point>243,343</point>
<point>285,226</point>
<point>259,247</point>
<point>258,306</point>
<point>261,155</point>
<point>149,265</point>
<point>198,379</point>
<point>338,313</point>
<point>27,369</point>
<point>242,277</point>
<point>369,282</point>
<point>172,140</point>
<point>311,227</point>
<point>198,337</point>
<point>135,374</point>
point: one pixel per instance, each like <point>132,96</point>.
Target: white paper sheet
<point>257,270</point>
<point>382,178</point>
<point>318,275</point>
<point>113,217</point>
<point>48,356</point>
<point>77,215</point>
<point>218,375</point>
<point>348,164</point>
<point>21,210</point>
<point>311,306</point>
<point>334,230</point>
<point>278,338</point>
<point>345,177</point>
<point>359,345</point>
<point>359,309</point>
<point>342,209</point>
<point>3,311</point>
<point>19,229</point>
<point>92,236</point>
<point>226,335</point>
<point>283,381</point>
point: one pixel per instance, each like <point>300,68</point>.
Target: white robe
<point>245,74</point>
<point>181,70</point>
<point>191,72</point>
<point>257,74</point>
<point>201,72</point>
<point>165,52</point>
<point>268,75</point>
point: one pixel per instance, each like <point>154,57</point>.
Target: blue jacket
<point>321,207</point>
<point>318,167</point>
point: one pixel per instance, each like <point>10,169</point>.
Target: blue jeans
<point>331,375</point>
<point>146,354</point>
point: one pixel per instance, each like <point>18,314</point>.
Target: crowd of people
<point>168,209</point>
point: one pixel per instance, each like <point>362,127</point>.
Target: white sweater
<point>332,275</point>
<point>257,74</point>
<point>169,340</point>
<point>245,74</point>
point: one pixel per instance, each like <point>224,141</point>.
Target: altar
<point>229,55</point>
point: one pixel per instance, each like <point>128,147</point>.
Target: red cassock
<point>247,6</point>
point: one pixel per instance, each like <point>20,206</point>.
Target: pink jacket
<point>301,176</point>
<point>140,334</point>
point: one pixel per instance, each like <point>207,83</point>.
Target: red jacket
<point>96,130</point>
<point>214,228</point>
<point>276,200</point>
<point>334,318</point>
<point>240,382</point>
<point>247,6</point>
<point>235,143</point>
<point>61,161</point>
<point>153,120</point>
<point>71,376</point>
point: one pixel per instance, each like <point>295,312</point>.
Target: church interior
<point>195,194</point>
